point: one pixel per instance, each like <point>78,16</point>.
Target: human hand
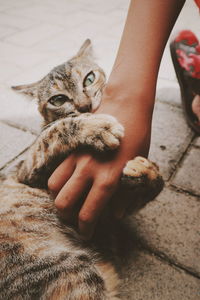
<point>84,183</point>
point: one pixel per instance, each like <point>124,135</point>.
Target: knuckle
<point>107,185</point>
<point>82,174</point>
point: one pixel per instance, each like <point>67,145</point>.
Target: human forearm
<point>148,25</point>
<point>130,91</point>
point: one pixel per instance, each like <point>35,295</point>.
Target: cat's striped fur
<point>40,256</point>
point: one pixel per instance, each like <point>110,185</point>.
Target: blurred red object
<point>188,37</point>
<point>197,3</point>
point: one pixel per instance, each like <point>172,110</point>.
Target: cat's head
<point>69,89</point>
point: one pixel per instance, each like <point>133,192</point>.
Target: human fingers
<point>61,174</point>
<point>93,207</point>
<point>68,200</point>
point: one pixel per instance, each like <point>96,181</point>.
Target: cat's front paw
<point>141,167</point>
<point>143,175</point>
<point>143,182</point>
<point>103,132</point>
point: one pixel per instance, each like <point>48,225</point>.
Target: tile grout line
<point>181,190</point>
<point>13,159</point>
<point>179,162</point>
<point>19,127</point>
<point>163,257</point>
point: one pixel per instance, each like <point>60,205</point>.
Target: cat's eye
<point>89,79</point>
<point>58,100</point>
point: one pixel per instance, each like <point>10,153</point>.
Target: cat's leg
<point>100,132</point>
<point>141,181</point>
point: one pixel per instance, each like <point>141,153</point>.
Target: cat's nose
<point>85,108</point>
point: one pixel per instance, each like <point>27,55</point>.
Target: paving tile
<point>115,16</point>
<point>87,30</point>
<point>107,7</point>
<point>148,278</point>
<point>19,56</point>
<point>8,70</point>
<point>19,110</point>
<point>33,11</point>
<point>72,20</point>
<point>168,91</point>
<point>6,31</point>
<point>10,4</point>
<point>188,174</point>
<point>44,14</point>
<point>16,21</point>
<point>37,72</point>
<point>105,50</point>
<point>65,7</point>
<point>170,137</point>
<point>112,23</point>
<point>197,142</point>
<point>122,4</point>
<point>170,225</point>
<point>61,43</point>
<point>29,37</point>
<point>13,141</point>
<point>6,5</point>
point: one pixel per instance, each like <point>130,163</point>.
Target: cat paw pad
<point>139,167</point>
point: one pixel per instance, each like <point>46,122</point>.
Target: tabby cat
<point>41,257</point>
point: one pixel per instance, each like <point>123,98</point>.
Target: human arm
<point>128,96</point>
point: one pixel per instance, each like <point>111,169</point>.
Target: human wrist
<point>132,112</point>
<point>133,98</point>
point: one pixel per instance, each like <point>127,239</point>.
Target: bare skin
<point>129,96</point>
<point>196,107</point>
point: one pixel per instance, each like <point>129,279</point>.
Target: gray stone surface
<point>13,142</point>
<point>170,137</point>
<point>169,92</point>
<point>197,142</point>
<point>148,278</point>
<point>170,225</point>
<point>188,174</point>
<point>19,110</point>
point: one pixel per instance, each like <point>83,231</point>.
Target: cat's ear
<point>28,89</point>
<point>86,49</point>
